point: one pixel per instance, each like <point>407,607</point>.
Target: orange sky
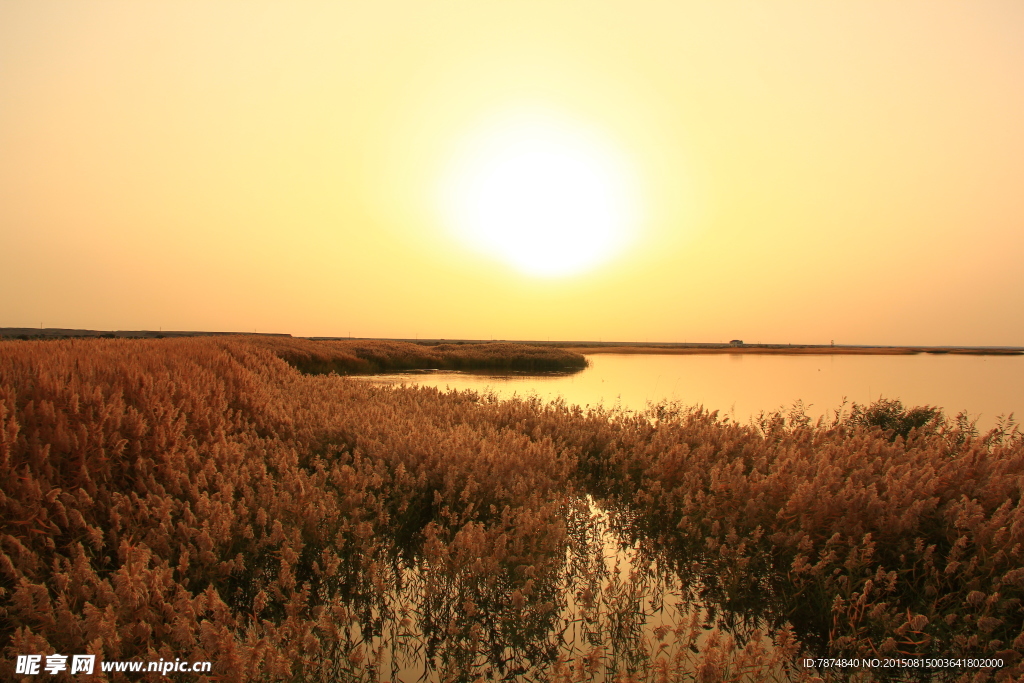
<point>808,171</point>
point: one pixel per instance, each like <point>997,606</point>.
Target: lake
<point>743,385</point>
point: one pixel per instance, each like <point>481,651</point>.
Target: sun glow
<point>544,194</point>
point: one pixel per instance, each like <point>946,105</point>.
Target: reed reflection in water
<point>601,608</point>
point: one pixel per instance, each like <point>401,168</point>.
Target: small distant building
<point>736,342</point>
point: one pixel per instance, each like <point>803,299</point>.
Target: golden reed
<point>202,498</point>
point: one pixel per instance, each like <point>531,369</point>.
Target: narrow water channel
<point>606,607</point>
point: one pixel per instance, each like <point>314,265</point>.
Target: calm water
<point>743,385</point>
<point>627,598</point>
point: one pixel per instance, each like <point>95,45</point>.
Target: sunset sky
<point>662,171</point>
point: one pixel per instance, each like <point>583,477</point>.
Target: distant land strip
<point>592,347</point>
<point>800,349</point>
<point>583,347</point>
<point>65,333</point>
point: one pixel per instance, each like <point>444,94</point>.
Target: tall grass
<point>370,356</point>
<point>869,542</point>
<point>201,498</point>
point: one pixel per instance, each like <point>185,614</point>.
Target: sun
<point>545,194</point>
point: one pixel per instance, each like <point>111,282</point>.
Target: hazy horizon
<point>17,331</point>
<point>784,173</point>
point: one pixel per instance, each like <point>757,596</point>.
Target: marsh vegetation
<point>347,357</point>
<point>203,498</point>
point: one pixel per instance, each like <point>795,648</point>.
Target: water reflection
<point>600,604</point>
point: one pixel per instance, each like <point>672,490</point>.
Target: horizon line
<point>50,332</point>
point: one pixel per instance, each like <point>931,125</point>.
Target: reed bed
<point>202,498</point>
<point>345,357</point>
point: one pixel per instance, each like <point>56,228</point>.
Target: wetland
<point>205,495</point>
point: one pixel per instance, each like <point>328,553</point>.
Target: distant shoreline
<point>798,349</point>
<point>69,333</point>
<point>581,347</point>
